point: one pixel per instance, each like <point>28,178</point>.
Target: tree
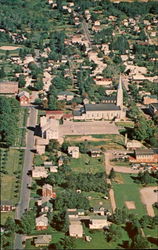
<point>22,81</point>
<point>112,174</point>
<point>65,243</point>
<point>27,224</point>
<point>53,145</point>
<point>52,102</point>
<point>114,233</point>
<point>140,242</point>
<point>2,73</point>
<point>10,224</point>
<point>65,146</point>
<point>39,84</point>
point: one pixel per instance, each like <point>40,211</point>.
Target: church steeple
<point>119,99</point>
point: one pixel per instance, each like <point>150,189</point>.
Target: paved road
<point>26,180</point>
<point>86,32</point>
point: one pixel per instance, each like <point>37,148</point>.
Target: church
<point>111,110</point>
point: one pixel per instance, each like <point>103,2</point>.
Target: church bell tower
<point>119,99</point>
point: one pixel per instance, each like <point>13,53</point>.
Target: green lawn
<point>10,182</point>
<point>128,191</point>
<point>20,139</point>
<point>97,199</point>
<point>38,160</point>
<point>87,164</point>
<point>125,124</point>
<point>98,240</point>
<point>121,163</point>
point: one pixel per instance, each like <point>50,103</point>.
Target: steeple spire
<point>119,100</point>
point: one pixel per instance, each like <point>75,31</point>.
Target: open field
<point>88,128</point>
<point>20,139</point>
<point>107,141</point>
<point>87,164</point>
<point>128,191</point>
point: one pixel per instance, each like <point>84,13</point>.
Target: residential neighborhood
<point>79,124</point>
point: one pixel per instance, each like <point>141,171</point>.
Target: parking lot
<point>88,128</point>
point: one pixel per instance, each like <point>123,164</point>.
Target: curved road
<point>26,180</point>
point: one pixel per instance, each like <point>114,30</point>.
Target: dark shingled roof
<point>77,113</point>
<point>101,107</point>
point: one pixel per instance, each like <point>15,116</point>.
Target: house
<point>149,99</point>
<point>76,229</point>
<point>6,206</point>
<point>98,222</point>
<point>95,152</point>
<point>72,213</point>
<point>39,172</point>
<point>81,212</point>
<point>24,98</point>
<point>74,151</point>
<point>60,161</point>
<point>49,128</point>
<point>65,95</point>
<point>42,240</point>
<point>47,191</point>
<point>56,114</point>
<point>40,145</point>
<point>153,108</point>
<point>67,117</point>
<point>41,222</point>
<point>99,210</point>
<point>10,88</point>
<point>48,163</point>
<point>46,207</point>
<point>145,156</point>
<point>102,81</point>
<point>53,169</point>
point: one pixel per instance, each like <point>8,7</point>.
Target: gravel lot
<point>87,128</point>
<point>148,197</point>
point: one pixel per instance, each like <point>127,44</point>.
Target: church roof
<point>101,107</point>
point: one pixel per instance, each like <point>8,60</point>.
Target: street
<point>26,180</point>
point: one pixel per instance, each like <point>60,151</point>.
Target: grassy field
<point>125,124</point>
<point>128,191</point>
<point>98,240</point>
<point>87,164</point>
<point>10,181</point>
<point>20,139</point>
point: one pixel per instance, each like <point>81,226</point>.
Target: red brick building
<point>24,98</point>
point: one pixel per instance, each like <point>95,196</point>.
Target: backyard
<point>87,164</point>
<point>98,240</point>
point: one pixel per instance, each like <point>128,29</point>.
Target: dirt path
<point>9,47</point>
<point>149,197</point>
<point>88,138</point>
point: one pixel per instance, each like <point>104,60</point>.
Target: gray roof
<point>77,113</point>
<point>109,98</point>
<point>144,152</point>
<point>101,107</point>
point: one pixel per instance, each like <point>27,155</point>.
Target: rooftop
<point>101,107</point>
